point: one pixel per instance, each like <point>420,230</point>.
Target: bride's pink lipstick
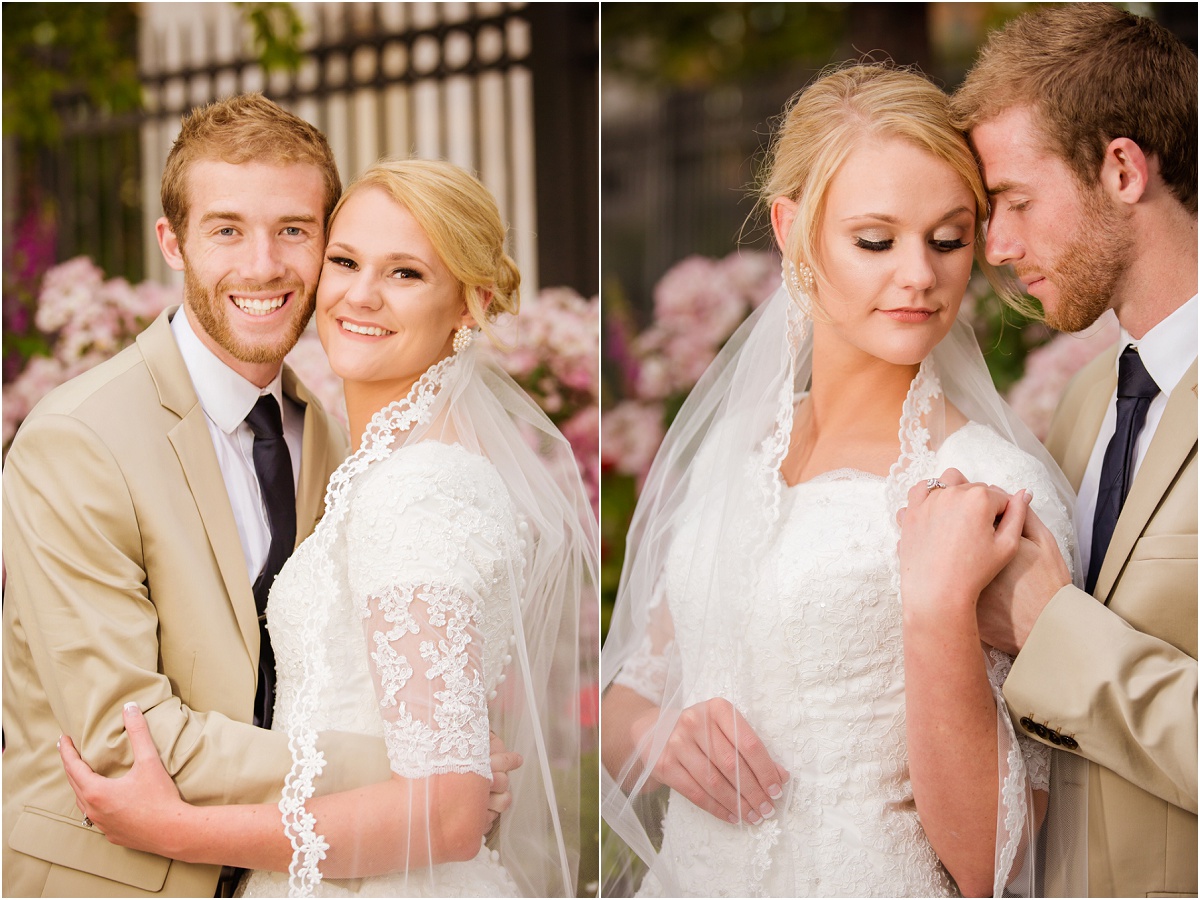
<point>911,315</point>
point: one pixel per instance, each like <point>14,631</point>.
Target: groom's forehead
<point>1011,150</point>
<point>254,187</point>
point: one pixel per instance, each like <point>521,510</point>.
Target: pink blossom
<point>631,433</point>
<point>582,431</point>
<point>1051,366</point>
<point>698,304</point>
<point>90,320</point>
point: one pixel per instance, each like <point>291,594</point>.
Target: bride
<point>438,597</point>
<point>789,711</point>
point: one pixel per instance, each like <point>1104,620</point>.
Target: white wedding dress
<point>409,600</point>
<point>819,656</point>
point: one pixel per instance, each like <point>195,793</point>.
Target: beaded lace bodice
<point>395,619</point>
<point>815,660</point>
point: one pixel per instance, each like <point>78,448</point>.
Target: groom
<point>1084,121</point>
<point>148,505</point>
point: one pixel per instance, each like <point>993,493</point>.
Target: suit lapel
<point>1174,441</point>
<point>192,443</point>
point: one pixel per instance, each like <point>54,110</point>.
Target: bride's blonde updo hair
<point>462,221</point>
<point>843,108</point>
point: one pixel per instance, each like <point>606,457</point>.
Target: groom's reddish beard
<point>1090,267</point>
<point>211,308</point>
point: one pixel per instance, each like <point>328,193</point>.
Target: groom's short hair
<point>1090,73</point>
<point>242,129</point>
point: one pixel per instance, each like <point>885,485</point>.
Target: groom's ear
<point>169,243</point>
<point>1124,171</point>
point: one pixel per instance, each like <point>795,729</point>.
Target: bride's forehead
<point>895,178</point>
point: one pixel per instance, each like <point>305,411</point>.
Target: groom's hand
<point>1010,605</point>
<point>503,761</point>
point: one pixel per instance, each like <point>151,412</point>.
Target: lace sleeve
<point>429,537</point>
<point>645,670</point>
<point>1036,754</point>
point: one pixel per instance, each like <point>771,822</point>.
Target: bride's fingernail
<point>1028,496</point>
<point>731,819</point>
<point>131,706</point>
<point>767,810</point>
<point>58,743</point>
<point>754,818</point>
<point>774,792</point>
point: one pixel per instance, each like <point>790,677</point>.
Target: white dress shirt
<point>1167,351</point>
<point>227,398</point>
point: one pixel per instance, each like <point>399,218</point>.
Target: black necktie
<point>273,466</point>
<point>1135,390</point>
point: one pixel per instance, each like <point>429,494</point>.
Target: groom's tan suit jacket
<point>1116,673</point>
<point>126,581</point>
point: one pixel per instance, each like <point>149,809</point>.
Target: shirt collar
<point>225,396</point>
<point>1169,348</point>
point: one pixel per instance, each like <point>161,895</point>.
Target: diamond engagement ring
<point>87,821</point>
<point>931,483</point>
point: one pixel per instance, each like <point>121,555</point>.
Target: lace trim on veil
<point>918,461</point>
<point>308,847</point>
<point>770,482</point>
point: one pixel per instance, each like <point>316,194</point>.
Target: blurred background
<point>93,95</point>
<point>689,96</point>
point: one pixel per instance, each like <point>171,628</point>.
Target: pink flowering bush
<point>1049,367</point>
<point>698,304</point>
<point>88,319</point>
<point>552,349</point>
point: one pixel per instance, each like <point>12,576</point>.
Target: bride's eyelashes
<point>947,246</point>
<point>404,273</point>
<point>873,246</point>
<point>951,245</point>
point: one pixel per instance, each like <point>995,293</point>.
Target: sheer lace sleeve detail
<point>431,541</point>
<point>1035,753</point>
<point>646,669</point>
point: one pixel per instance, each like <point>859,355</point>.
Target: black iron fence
<point>507,90</point>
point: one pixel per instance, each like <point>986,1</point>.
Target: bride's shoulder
<point>432,467</point>
<point>982,454</point>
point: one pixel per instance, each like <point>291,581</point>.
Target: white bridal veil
<point>550,574</point>
<point>716,481</point>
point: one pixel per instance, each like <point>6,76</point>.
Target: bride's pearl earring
<point>799,282</point>
<point>463,338</point>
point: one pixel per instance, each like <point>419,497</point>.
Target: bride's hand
<point>140,809</point>
<point>954,539</point>
<point>711,753</point>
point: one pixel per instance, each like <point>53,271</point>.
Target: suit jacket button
<point>1054,737</point>
<point>1070,743</point>
<point>1027,723</point>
